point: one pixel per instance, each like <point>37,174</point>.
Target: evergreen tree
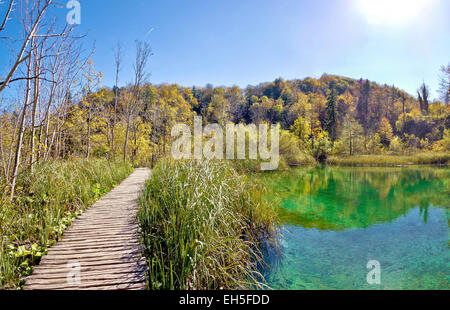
<point>423,98</point>
<point>331,118</point>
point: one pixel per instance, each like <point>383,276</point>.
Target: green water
<point>335,220</point>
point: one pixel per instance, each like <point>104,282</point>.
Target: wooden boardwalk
<point>100,251</point>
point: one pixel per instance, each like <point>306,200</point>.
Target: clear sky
<point>242,42</point>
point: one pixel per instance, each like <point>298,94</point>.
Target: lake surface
<point>336,220</point>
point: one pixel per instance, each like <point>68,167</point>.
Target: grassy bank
<point>46,202</point>
<point>391,160</point>
<point>202,226</point>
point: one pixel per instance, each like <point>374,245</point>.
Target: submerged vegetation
<point>335,219</point>
<point>47,200</point>
<point>203,226</point>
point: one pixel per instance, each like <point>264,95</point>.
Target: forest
<point>56,107</point>
<point>329,116</point>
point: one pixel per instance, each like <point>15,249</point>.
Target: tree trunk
<point>33,111</point>
<point>88,144</point>
<point>125,144</point>
<point>21,130</point>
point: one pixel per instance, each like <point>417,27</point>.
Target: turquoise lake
<point>336,220</point>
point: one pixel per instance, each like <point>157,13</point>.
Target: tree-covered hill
<point>331,115</point>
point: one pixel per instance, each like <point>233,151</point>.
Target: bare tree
<point>444,89</point>
<point>39,41</point>
<point>143,53</point>
<point>118,65</point>
<point>21,127</point>
<point>32,32</point>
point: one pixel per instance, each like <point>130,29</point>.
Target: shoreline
<point>441,160</point>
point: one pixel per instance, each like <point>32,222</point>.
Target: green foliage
<point>202,226</point>
<point>320,145</point>
<point>375,146</point>
<point>446,141</point>
<point>352,136</point>
<point>302,130</point>
<point>292,152</point>
<point>397,147</point>
<point>331,119</point>
<point>46,203</point>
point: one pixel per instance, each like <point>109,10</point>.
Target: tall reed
<point>392,160</point>
<point>45,203</point>
<point>203,226</point>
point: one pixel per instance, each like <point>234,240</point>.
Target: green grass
<point>46,202</point>
<point>203,226</point>
<point>391,160</point>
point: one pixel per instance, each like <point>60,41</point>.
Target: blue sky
<point>228,42</point>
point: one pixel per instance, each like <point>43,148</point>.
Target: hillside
<point>331,115</point>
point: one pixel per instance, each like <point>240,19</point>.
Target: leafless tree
<point>48,77</point>
<point>118,66</point>
<point>31,32</point>
<point>143,53</point>
<point>444,89</point>
<point>22,126</point>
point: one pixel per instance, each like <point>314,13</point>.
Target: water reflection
<point>337,219</point>
<point>344,198</point>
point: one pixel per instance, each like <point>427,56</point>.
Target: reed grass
<point>45,204</point>
<point>204,226</point>
<point>391,160</point>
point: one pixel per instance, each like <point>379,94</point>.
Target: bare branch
<point>29,78</point>
<point>8,12</point>
<point>30,35</point>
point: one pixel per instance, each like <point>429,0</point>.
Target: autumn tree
<point>118,67</point>
<point>143,53</point>
<point>385,132</point>
<point>218,109</point>
<point>362,107</point>
<point>352,133</point>
<point>302,130</point>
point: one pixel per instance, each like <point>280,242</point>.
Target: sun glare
<point>392,12</point>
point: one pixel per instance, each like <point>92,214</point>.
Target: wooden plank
<point>98,270</point>
<point>124,286</point>
<point>87,246</point>
<point>101,238</point>
<point>87,264</point>
<point>93,284</point>
<point>85,278</point>
<point>93,250</point>
<point>104,240</point>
